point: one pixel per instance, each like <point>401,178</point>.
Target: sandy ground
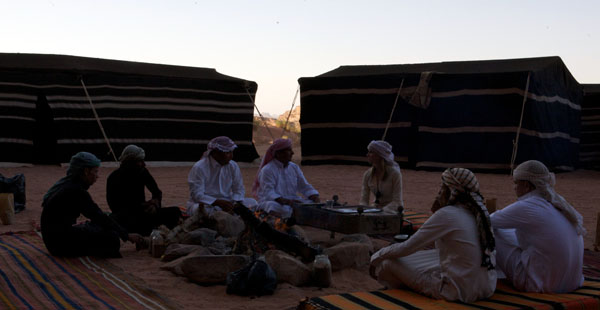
<point>581,188</point>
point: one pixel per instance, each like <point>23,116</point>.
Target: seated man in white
<point>461,267</point>
<point>279,181</point>
<point>539,237</point>
<point>215,181</point>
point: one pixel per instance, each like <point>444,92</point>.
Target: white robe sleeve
<point>438,225</point>
<point>268,181</point>
<point>237,186</point>
<point>197,186</point>
<point>303,186</point>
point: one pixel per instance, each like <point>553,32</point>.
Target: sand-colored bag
<point>7,208</point>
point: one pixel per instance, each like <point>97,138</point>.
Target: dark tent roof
<point>82,65</point>
<point>475,66</point>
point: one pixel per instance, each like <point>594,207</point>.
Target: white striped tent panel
<point>17,96</point>
<point>355,125</point>
<point>463,165</point>
<point>161,107</point>
<point>477,165</point>
<point>140,140</point>
<point>149,99</point>
<point>447,94</point>
<point>16,104</point>
<point>589,156</point>
<point>133,119</point>
<point>357,91</point>
<point>20,118</point>
<point>16,141</point>
<point>348,158</point>
<point>469,129</point>
<point>193,90</point>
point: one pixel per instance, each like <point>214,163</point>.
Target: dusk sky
<point>276,42</point>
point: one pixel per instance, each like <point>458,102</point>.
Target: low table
<point>347,219</point>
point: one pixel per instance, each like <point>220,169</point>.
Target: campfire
<point>265,232</point>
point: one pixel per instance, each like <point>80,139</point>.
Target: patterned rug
<point>505,297</point>
<point>30,278</point>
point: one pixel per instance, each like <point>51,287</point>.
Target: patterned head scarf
<point>78,162</point>
<point>463,183</point>
<point>221,143</point>
<point>278,145</point>
<point>132,152</point>
<point>538,174</point>
<point>384,150</point>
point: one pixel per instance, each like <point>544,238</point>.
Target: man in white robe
<point>461,267</point>
<point>279,181</point>
<point>215,181</point>
<point>539,237</point>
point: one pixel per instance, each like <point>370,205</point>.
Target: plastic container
<point>157,244</point>
<point>322,271</point>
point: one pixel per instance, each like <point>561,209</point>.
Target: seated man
<point>65,201</point>
<point>126,195</point>
<point>383,179</point>
<point>539,237</point>
<point>215,181</point>
<point>279,181</point>
<point>461,267</point>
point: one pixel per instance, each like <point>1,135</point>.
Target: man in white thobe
<point>279,181</point>
<point>461,267</point>
<point>539,237</point>
<point>215,181</point>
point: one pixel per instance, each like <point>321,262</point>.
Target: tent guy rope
<point>287,120</point>
<point>98,120</point>
<point>260,114</point>
<point>392,113</point>
<point>516,141</point>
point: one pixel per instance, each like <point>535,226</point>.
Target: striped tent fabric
<point>589,154</point>
<point>448,114</point>
<point>32,279</point>
<point>170,111</point>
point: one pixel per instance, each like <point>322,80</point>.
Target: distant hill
<point>263,137</point>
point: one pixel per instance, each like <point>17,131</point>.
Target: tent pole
<point>516,141</point>
<point>289,114</point>
<point>260,114</point>
<point>393,108</point>
<point>98,120</point>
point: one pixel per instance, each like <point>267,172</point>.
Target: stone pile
<point>203,250</point>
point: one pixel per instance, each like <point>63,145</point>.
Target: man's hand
<point>225,205</point>
<point>315,198</point>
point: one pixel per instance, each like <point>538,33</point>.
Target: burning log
<point>280,240</point>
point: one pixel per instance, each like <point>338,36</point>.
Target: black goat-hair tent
<point>170,111</point>
<point>589,153</point>
<point>463,113</point>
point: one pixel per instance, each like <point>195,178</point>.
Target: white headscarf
<point>132,152</point>
<point>384,150</point>
<point>221,143</point>
<point>538,174</point>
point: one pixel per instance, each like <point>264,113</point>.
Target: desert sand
<point>581,188</point>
